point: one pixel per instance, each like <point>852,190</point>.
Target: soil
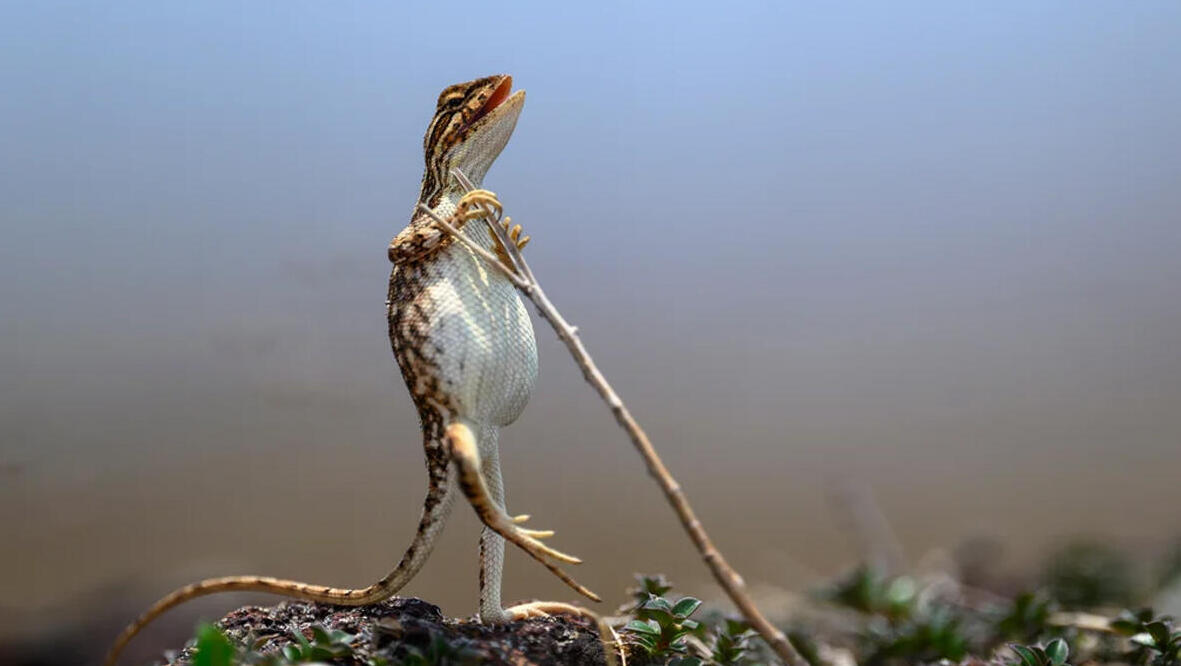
<point>394,629</point>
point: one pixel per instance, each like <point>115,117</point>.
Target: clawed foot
<point>530,542</point>
<point>536,534</point>
<point>515,233</point>
<point>528,539</point>
<point>545,609</point>
<point>471,205</point>
<point>474,205</point>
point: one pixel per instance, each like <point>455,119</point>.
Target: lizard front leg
<point>418,239</point>
<point>465,453</point>
<point>423,236</point>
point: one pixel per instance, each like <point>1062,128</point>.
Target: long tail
<point>436,508</point>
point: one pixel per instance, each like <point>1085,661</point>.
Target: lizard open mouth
<point>498,97</point>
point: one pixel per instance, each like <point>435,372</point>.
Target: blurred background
<point>928,251</point>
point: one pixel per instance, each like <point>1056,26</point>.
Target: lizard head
<point>473,122</point>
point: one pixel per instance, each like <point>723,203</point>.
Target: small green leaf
<point>297,634</point>
<point>658,604</point>
<point>900,591</point>
<point>1057,651</point>
<point>1028,656</point>
<point>291,653</point>
<point>685,607</point>
<point>643,627</point>
<point>320,635</point>
<point>1125,627</point>
<point>1159,632</point>
<point>735,627</point>
<point>213,648</point>
<point>1144,639</point>
<point>689,625</point>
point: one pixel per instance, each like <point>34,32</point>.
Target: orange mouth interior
<point>496,99</point>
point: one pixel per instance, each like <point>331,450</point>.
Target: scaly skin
<point>465,345</point>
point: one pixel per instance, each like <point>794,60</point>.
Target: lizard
<point>466,349</point>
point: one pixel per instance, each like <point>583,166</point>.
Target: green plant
<point>1054,653</point>
<point>1170,567</point>
<point>732,643</point>
<point>662,626</point>
<point>1157,641</point>
<point>1028,619</point>
<point>440,652</point>
<point>899,628</point>
<point>937,635</point>
<point>807,647</point>
<point>647,586</point>
<point>213,648</point>
<point>1089,574</point>
<point>867,590</point>
<point>324,645</point>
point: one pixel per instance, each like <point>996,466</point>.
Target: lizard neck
<point>435,195</point>
<point>443,203</point>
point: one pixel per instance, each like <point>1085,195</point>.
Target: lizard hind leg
<point>491,543</point>
<point>465,452</point>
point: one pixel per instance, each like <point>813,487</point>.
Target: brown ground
<point>391,629</point>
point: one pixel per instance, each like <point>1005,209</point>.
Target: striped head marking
<point>473,122</point>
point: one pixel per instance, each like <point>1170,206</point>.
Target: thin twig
<point>609,647</point>
<point>725,575</point>
<point>488,256</point>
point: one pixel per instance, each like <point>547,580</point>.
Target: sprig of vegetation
<point>664,631</point>
<point>1157,641</point>
<point>214,648</point>
<point>1054,653</point>
<point>936,635</point>
<point>440,652</point>
<point>733,643</point>
<point>323,646</point>
<point>1087,574</point>
<point>898,627</point>
<point>647,586</point>
<point>661,626</point>
<point>868,591</point>
<point>1028,619</point>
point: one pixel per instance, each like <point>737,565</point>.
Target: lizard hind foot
<point>536,534</point>
<point>612,645</point>
<point>545,609</point>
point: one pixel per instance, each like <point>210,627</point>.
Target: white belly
<point>484,350</point>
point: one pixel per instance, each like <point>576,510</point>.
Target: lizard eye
<point>448,95</point>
